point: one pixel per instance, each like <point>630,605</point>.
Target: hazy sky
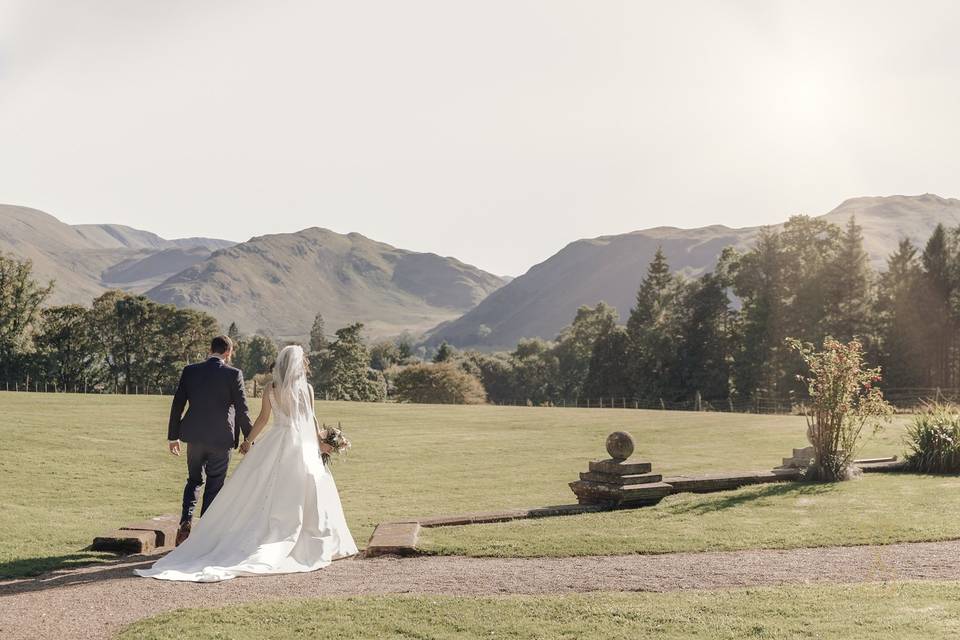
<point>493,131</point>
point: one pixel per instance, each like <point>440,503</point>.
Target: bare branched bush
<point>843,400</point>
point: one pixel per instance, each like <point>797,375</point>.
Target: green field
<point>905,611</point>
<point>74,466</point>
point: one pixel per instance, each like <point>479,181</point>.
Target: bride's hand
<point>325,448</point>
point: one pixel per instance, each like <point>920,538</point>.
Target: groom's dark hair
<point>221,344</point>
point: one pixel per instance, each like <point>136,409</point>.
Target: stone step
<point>394,538</point>
<point>487,517</point>
<point>628,467</point>
<point>609,478</point>
<point>725,481</point>
<point>885,466</point>
<point>125,541</point>
<point>644,491</point>
<point>163,527</point>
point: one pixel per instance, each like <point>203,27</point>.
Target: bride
<point>280,511</point>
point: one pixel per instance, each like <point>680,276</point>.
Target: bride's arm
<point>262,418</point>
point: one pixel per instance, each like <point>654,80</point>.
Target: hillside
<point>86,260</point>
<point>277,283</point>
<point>609,268</point>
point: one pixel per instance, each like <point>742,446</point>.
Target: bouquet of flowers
<point>334,438</point>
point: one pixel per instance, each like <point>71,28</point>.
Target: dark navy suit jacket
<point>217,410</point>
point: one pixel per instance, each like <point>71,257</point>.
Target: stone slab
<point>485,517</point>
<point>640,495</point>
<point>125,541</point>
<point>631,466</point>
<point>163,527</point>
<point>727,481</point>
<point>882,467</point>
<point>608,478</point>
<point>875,460</point>
<point>394,538</point>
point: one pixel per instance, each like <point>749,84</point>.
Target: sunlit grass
<point>73,466</point>
<point>906,611</point>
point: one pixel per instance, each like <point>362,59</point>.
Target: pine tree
<point>938,286</point>
<point>653,329</point>
<point>759,283</point>
<point>318,336</point>
<point>706,347</point>
<point>900,320</point>
<point>849,287</point>
<point>607,375</point>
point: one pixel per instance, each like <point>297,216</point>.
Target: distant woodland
<point>719,339</point>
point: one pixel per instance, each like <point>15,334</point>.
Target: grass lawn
<point>905,611</point>
<point>880,508</point>
<point>73,466</point>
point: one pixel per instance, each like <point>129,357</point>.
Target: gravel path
<point>95,602</point>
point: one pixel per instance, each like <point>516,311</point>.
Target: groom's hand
<point>175,447</point>
<point>245,447</point>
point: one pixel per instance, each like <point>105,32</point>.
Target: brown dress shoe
<point>183,533</point>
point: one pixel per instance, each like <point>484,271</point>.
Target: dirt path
<point>96,602</point>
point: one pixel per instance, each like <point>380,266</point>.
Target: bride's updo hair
<point>290,378</point>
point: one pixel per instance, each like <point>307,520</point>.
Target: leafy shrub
<point>843,399</point>
<point>442,383</point>
<point>933,439</point>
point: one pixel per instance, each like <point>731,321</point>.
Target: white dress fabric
<point>278,513</point>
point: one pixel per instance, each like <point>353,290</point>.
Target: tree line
<point>720,337</point>
<point>723,336</point>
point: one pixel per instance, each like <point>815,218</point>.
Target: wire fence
<point>771,405</point>
<point>253,387</point>
<point>902,398</point>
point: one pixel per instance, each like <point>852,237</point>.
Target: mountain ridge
<point>80,257</point>
<point>275,283</point>
<point>609,268</point>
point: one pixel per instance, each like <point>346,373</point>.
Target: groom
<point>218,407</point>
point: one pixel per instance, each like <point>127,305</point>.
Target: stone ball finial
<point>620,445</point>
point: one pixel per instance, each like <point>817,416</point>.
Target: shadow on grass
<point>21,576</point>
<point>706,503</point>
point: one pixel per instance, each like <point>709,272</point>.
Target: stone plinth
<point>620,481</point>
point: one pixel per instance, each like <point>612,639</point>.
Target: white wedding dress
<point>278,513</point>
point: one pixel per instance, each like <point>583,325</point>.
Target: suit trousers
<point>203,461</point>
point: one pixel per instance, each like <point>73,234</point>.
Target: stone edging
<point>400,537</point>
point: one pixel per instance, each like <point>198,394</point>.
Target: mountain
<point>277,283</point>
<point>541,302</point>
<point>86,260</point>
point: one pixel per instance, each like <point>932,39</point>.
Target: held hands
<point>175,447</point>
<point>245,447</point>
